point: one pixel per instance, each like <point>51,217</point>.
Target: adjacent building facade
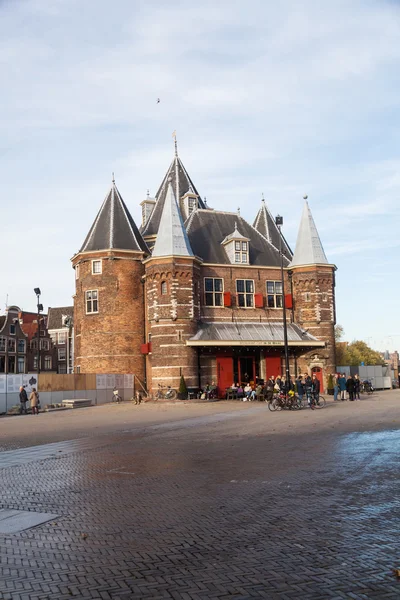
<point>60,327</point>
<point>198,292</point>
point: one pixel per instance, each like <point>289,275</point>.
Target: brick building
<point>198,292</point>
<point>61,330</point>
<point>13,343</point>
<point>47,354</point>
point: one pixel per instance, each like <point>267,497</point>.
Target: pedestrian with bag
<point>23,399</point>
<point>34,398</point>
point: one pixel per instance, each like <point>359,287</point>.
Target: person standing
<point>23,399</point>
<point>269,389</point>
<point>357,387</point>
<point>308,384</point>
<point>300,387</point>
<point>335,387</point>
<point>316,386</point>
<point>34,398</point>
<point>342,386</point>
<point>350,388</point>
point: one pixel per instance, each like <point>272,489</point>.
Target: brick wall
<point>110,341</point>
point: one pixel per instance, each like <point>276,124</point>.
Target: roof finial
<point>305,197</point>
<point>238,211</point>
<point>148,193</point>
<point>176,143</point>
<point>235,226</point>
<point>205,201</point>
<point>113,178</point>
<point>262,197</point>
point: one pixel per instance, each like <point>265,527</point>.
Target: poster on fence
<point>101,382</point>
<point>3,384</point>
<point>14,382</point>
<point>128,382</point>
<point>110,382</point>
<point>30,381</point>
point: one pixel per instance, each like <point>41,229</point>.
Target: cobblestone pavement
<point>222,501</point>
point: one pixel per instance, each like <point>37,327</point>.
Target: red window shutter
<point>227,299</point>
<point>258,300</point>
<point>144,348</point>
<point>288,301</point>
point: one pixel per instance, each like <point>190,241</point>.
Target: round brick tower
<point>109,300</point>
<point>313,280</point>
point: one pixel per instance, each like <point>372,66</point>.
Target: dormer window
<point>147,208</point>
<point>237,247</point>
<point>192,205</point>
<point>189,203</point>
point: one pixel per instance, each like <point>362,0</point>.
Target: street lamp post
<point>39,310</point>
<point>279,223</point>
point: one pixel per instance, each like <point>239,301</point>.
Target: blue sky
<point>280,98</point>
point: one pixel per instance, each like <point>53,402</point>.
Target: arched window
<point>164,288</point>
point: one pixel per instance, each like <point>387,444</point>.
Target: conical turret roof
<point>172,239</point>
<point>309,250</point>
<point>114,227</point>
<point>181,183</point>
<point>265,224</point>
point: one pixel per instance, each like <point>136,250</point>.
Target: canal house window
<point>274,294</point>
<point>245,292</point>
<point>213,291</point>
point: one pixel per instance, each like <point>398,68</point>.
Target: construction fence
<point>54,388</point>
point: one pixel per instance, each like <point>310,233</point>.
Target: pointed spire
<point>309,250</point>
<point>172,239</point>
<point>181,184</point>
<point>114,227</point>
<point>265,224</point>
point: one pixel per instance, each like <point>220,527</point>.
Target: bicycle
<point>282,401</point>
<point>116,397</point>
<point>170,394</point>
<point>316,402</point>
<point>367,388</point>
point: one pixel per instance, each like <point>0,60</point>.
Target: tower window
<point>307,296</point>
<point>274,294</point>
<point>245,292</point>
<point>96,267</point>
<point>164,288</point>
<point>192,205</point>
<point>92,301</point>
<point>213,291</point>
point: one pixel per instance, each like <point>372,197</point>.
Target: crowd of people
<point>346,388</point>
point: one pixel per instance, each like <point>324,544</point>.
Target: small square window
<point>237,246</point>
<point>244,257</point>
<point>96,267</point>
<point>237,257</point>
<point>244,246</point>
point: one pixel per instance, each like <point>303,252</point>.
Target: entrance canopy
<point>253,334</point>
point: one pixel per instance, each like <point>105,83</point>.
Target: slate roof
<point>181,184</point>
<point>54,319</point>
<point>252,332</point>
<point>114,227</point>
<point>265,224</point>
<point>172,239</point>
<point>208,228</point>
<point>309,250</point>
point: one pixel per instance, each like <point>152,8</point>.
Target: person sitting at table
<point>239,391</point>
<point>249,392</point>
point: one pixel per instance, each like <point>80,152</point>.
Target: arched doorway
<point>320,376</point>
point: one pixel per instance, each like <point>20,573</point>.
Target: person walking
<point>335,387</point>
<point>269,389</point>
<point>342,386</point>
<point>23,399</point>
<point>138,398</point>
<point>350,388</point>
<point>357,387</point>
<point>34,398</point>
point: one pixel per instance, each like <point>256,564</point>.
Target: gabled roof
<point>54,319</point>
<point>114,227</point>
<point>309,250</point>
<point>265,224</point>
<point>181,184</point>
<point>208,228</point>
<point>172,239</point>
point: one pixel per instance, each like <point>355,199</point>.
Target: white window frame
<point>192,204</point>
<point>245,293</point>
<point>45,345</point>
<point>241,252</point>
<point>214,292</point>
<point>10,347</point>
<point>46,360</point>
<point>274,295</point>
<point>21,359</point>
<point>100,262</point>
<point>59,355</point>
<point>91,301</point>
<point>23,342</point>
<point>62,338</point>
